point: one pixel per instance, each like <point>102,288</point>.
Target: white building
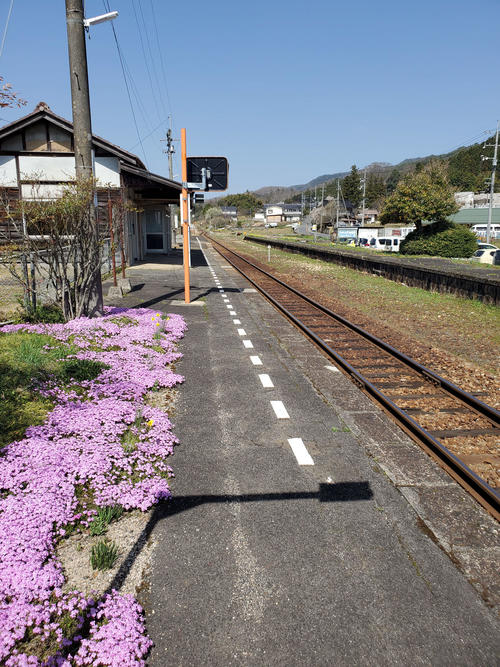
<point>479,200</point>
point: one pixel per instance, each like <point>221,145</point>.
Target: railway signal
<point>205,174</point>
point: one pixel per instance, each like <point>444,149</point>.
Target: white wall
<point>107,171</point>
<point>42,191</point>
<point>62,168</point>
<point>47,168</point>
<point>8,173</point>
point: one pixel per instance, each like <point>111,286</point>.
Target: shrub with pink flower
<point>102,444</point>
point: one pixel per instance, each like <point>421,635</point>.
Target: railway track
<point>456,428</point>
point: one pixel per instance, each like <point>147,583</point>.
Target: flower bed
<point>101,445</point>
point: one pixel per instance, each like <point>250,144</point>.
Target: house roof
<point>43,112</point>
<point>154,178</point>
<point>129,163</point>
<point>474,216</point>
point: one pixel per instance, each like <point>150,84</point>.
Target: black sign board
<point>216,172</point>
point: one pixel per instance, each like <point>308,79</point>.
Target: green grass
<point>467,328</point>
<point>23,363</point>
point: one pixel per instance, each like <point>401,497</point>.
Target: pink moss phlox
<point>82,445</point>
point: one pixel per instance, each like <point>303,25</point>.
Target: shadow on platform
<point>327,493</point>
<point>174,258</point>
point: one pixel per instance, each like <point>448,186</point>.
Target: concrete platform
<point>354,554</point>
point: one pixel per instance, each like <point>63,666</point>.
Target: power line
<point>155,23</point>
<point>139,29</point>
<point>6,26</point>
<point>466,142</point>
<point>152,132</point>
<point>106,7</point>
<point>157,81</point>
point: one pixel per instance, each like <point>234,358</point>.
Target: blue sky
<point>286,90</point>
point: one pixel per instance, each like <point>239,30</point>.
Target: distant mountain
<point>275,193</point>
<point>319,180</point>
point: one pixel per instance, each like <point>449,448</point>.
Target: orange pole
<point>184,212</point>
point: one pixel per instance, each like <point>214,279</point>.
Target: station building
<point>37,160</point>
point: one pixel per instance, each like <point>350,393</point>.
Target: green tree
<point>375,190</point>
<point>351,187</point>
<point>467,171</point>
<point>245,202</point>
<point>393,179</point>
<point>423,195</point>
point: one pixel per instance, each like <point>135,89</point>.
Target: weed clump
<point>103,555</point>
<point>105,515</point>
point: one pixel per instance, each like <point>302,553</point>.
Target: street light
<point>100,19</point>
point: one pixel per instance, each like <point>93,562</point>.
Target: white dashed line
<point>301,454</point>
<point>236,322</point>
<point>280,410</point>
<point>242,332</point>
<point>228,305</point>
<point>267,383</point>
<point>232,312</point>
<point>334,369</point>
<point>248,344</point>
<point>256,360</point>
<point>221,291</point>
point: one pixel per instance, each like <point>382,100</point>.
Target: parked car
<point>388,243</point>
<point>485,256</point>
<point>486,246</point>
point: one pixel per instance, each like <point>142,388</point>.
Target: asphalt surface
<point>262,561</point>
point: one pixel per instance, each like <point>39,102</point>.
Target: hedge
<point>441,239</point>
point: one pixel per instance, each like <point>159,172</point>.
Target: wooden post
<point>122,243</point>
<point>185,220</point>
<point>112,239</point>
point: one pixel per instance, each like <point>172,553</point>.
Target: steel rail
<point>479,488</point>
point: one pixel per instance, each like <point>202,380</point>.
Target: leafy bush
<point>103,555</point>
<point>50,314</point>
<point>441,239</point>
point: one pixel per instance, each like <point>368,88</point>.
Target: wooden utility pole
<point>170,149</point>
<point>80,99</point>
<point>185,217</point>
<point>364,198</point>
<point>82,131</point>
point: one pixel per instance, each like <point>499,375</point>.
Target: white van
<point>388,243</point>
<point>480,230</point>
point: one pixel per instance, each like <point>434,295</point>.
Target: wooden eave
<point>151,186</point>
